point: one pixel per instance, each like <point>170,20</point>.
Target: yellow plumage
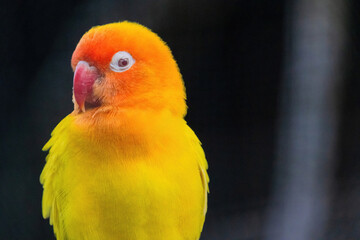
<point>128,168</point>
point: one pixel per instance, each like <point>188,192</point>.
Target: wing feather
<point>203,166</point>
<point>50,180</point>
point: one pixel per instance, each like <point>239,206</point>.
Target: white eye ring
<point>121,61</point>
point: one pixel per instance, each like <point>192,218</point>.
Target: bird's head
<point>125,65</point>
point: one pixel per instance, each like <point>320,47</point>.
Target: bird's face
<point>125,65</point>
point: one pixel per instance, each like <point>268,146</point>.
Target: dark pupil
<point>123,62</point>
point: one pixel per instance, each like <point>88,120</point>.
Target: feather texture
<point>125,166</point>
<point>132,184</point>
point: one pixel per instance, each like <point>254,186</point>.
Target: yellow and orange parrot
<point>124,164</point>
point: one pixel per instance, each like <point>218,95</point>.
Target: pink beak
<point>84,79</point>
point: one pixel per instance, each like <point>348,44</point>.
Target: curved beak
<point>84,79</point>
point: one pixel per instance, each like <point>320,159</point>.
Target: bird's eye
<point>121,61</point>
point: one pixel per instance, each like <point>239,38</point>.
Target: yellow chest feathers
<point>140,184</point>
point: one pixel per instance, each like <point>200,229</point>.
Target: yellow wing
<point>203,166</point>
<point>52,195</point>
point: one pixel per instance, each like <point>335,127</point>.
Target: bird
<point>124,164</point>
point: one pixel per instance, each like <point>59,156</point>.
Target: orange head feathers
<point>126,65</point>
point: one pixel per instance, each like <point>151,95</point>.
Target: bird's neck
<point>129,129</point>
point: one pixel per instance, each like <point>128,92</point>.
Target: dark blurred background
<point>272,93</point>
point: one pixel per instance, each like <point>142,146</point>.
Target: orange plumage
<point>124,164</point>
<point>154,81</point>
